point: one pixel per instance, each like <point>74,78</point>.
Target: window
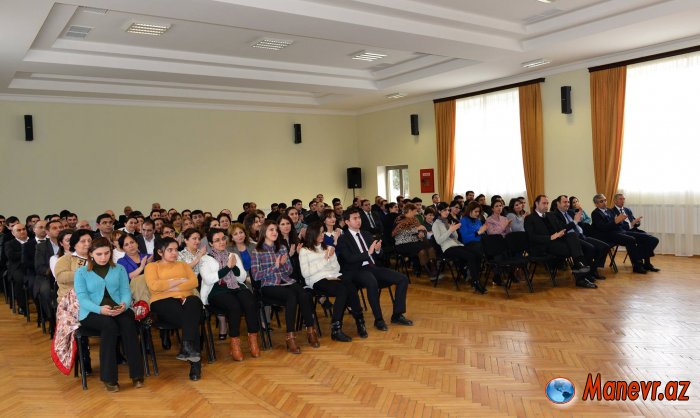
<point>396,182</point>
<point>660,171</point>
<point>488,151</point>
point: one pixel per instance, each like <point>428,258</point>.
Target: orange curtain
<point>607,113</point>
<point>532,139</point>
<point>445,137</point>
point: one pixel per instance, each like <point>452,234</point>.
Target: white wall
<point>89,158</point>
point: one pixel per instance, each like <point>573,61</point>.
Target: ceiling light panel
<point>535,63</point>
<point>368,56</point>
<point>395,95</point>
<point>272,44</point>
<point>152,29</point>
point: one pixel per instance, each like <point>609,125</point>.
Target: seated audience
<point>410,239</point>
<point>223,287</point>
<point>359,257</point>
<point>272,268</point>
<point>147,240</point>
<point>134,262</point>
<point>241,245</point>
<point>330,230</point>
<point>320,268</point>
<point>545,240</point>
<point>631,227</point>
<point>288,237</point>
<point>172,285</point>
<point>576,206</point>
<point>467,256</point>
<point>104,296</point>
<point>607,228</point>
<point>252,226</point>
<point>496,223</point>
<point>516,215</point>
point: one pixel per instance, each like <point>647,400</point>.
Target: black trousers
<point>18,282</point>
<point>594,251</point>
<point>42,287</point>
<point>182,315</point>
<point>111,328</point>
<point>567,246</point>
<point>237,302</point>
<point>291,297</point>
<point>467,255</point>
<point>627,241</point>
<point>345,294</point>
<point>372,278</point>
<point>645,242</point>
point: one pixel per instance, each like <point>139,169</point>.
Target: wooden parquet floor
<point>467,355</point>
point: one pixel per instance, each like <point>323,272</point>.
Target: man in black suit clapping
<point>359,254</point>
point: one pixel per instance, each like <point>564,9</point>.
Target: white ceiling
<point>433,47</point>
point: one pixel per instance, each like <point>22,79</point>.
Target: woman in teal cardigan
<point>104,296</point>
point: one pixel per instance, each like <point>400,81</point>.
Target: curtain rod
<point>491,90</point>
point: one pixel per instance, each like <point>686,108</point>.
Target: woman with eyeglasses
<point>467,257</point>
<point>223,287</point>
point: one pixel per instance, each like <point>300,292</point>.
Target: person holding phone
<point>103,292</point>
<point>272,268</point>
<point>172,284</point>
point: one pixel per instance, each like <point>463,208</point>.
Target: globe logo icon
<point>560,390</point>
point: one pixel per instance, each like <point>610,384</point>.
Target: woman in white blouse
<point>320,268</point>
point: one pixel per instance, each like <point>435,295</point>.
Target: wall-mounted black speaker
<point>354,178</point>
<point>414,124</point>
<point>28,128</point>
<point>566,99</point>
<point>297,133</point>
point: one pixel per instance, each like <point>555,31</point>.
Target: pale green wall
<point>92,157</point>
<point>384,139</point>
<point>89,158</point>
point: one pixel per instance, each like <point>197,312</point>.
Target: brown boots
<point>312,337</point>
<point>253,344</point>
<point>235,351</point>
<point>292,346</point>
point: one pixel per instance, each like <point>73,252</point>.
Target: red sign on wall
<point>427,180</point>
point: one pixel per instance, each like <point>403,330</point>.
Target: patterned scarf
<point>221,257</point>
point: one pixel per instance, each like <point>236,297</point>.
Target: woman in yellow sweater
<point>172,284</point>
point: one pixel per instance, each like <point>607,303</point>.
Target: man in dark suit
<point>370,220</point>
<point>28,260</point>
<point>544,239</point>
<point>15,268</point>
<point>594,251</point>
<point>359,254</point>
<point>631,226</point>
<point>607,228</point>
<point>104,227</point>
<point>44,279</point>
<point>147,241</point>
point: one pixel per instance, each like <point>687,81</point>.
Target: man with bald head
<point>15,268</point>
<point>83,224</point>
<point>28,259</point>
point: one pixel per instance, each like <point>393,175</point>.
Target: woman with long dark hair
<point>272,268</point>
<point>320,268</point>
<point>103,292</point>
<point>467,257</point>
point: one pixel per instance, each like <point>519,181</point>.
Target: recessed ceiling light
<point>546,1</point>
<point>273,44</point>
<point>367,56</point>
<point>535,63</point>
<point>395,95</point>
<point>147,28</point>
<point>94,10</point>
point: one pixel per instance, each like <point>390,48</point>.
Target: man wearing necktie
<point>370,220</point>
<point>594,250</point>
<point>647,241</point>
<point>607,228</point>
<point>359,255</point>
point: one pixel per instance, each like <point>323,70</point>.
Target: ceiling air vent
<point>78,31</point>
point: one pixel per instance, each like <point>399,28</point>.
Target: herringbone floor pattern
<point>467,355</point>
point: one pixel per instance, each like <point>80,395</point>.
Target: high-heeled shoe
<point>478,287</point>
